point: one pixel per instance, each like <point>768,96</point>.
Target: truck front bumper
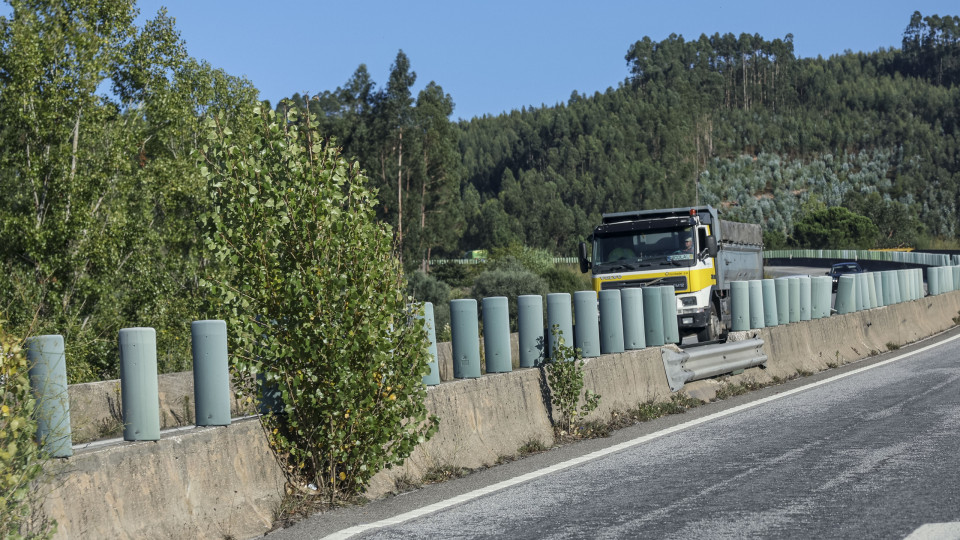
<point>694,320</point>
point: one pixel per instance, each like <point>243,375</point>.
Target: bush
<point>509,283</point>
<point>456,274</point>
<point>315,302</point>
<point>20,455</point>
<point>538,261</point>
<point>561,279</point>
<point>426,288</point>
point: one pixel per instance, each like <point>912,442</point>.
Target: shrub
<point>509,283</point>
<point>565,377</point>
<point>315,302</point>
<point>561,279</point>
<point>426,288</point>
<point>20,455</point>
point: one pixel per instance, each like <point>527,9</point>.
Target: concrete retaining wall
<point>224,481</point>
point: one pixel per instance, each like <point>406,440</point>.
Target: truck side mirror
<point>712,246</point>
<point>582,254</point>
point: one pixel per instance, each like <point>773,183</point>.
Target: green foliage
<point>566,279</point>
<point>426,288</point>
<point>835,228</point>
<point>512,283</point>
<point>20,455</point>
<point>538,261</point>
<point>569,400</point>
<point>456,274</point>
<point>314,300</point>
<point>100,195</point>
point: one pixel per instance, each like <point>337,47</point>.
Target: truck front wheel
<point>713,329</point>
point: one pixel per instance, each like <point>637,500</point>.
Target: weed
<point>678,404</point>
<point>832,365</point>
<point>565,378</point>
<point>730,390</point>
<point>405,483</point>
<point>804,373</point>
<point>891,346</point>
<point>533,446</point>
<point>442,473</point>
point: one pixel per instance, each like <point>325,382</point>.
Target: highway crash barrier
<point>696,363</point>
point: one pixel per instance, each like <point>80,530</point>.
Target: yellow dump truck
<point>690,249</point>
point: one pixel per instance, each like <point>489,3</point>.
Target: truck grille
<point>677,282</point>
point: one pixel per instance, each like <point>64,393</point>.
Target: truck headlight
<point>688,300</point>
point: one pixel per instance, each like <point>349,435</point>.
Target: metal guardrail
<point>699,363</point>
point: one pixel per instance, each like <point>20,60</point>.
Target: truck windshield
<point>637,249</point>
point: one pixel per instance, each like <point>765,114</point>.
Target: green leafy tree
<point>315,300</point>
<point>835,228</point>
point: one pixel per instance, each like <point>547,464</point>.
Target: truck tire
<point>713,329</point>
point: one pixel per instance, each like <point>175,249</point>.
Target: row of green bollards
<point>608,322</point>
<point>943,279</point>
<point>771,302</point>
<point>858,292</point>
<point>139,389</point>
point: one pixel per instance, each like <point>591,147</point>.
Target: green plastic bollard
<point>496,334</point>
<point>211,376</point>
<point>878,288</point>
<point>653,316</point>
<point>611,322</point>
<point>466,338</point>
<point>139,390</point>
<point>933,280</point>
<point>955,270</point>
<point>947,280</point>
<point>739,306</point>
<point>668,302</point>
<point>783,300</point>
<point>891,291</point>
<point>559,314</point>
<point>806,291</point>
<point>819,307</point>
<point>846,294</point>
<point>769,289</point>
<point>863,297</point>
<point>871,290</point>
<point>429,322</point>
<point>48,380</point>
<point>903,285</point>
<point>587,330</point>
<point>631,300</point>
<point>533,348</point>
<point>794,287</point>
<point>755,291</point>
<point>918,284</point>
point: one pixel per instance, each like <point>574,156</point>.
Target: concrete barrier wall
<point>95,407</point>
<point>225,482</point>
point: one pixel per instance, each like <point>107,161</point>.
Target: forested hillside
<point>735,121</point>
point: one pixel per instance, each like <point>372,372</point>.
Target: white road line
<point>413,514</point>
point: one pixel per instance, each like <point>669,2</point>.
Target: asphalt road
<point>873,454</point>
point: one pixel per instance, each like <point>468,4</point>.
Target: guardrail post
<point>739,306</point>
<point>846,294</point>
<point>211,376</point>
<point>533,347</point>
<point>653,316</point>
<point>48,380</point>
<point>559,314</point>
<point>496,334</point>
<point>782,285</point>
<point>671,330</point>
<point>586,329</point>
<point>769,291</point>
<point>805,298</point>
<point>139,388</point>
<point>466,338</point>
<point>633,333</point>
<point>755,290</point>
<point>794,287</point>
<point>611,322</point>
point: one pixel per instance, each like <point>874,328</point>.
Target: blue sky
<point>494,56</point>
